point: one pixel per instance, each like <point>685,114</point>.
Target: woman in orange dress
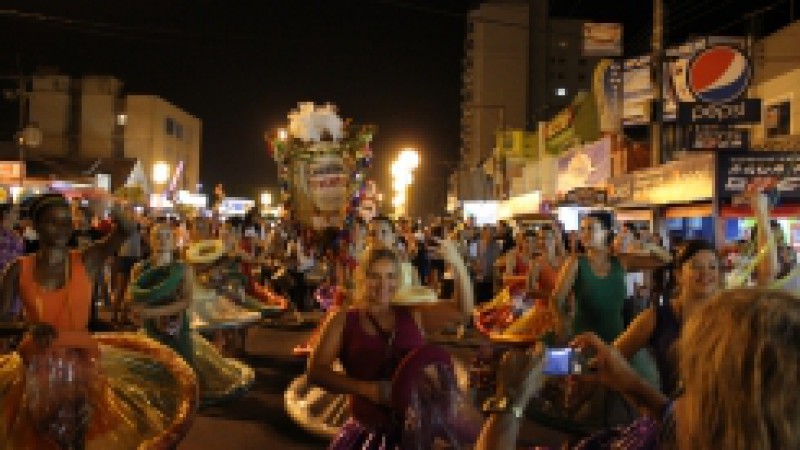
<point>65,388</point>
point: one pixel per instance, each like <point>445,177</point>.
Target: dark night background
<point>241,65</point>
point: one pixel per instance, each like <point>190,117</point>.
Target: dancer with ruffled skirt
<point>65,388</point>
<point>161,293</point>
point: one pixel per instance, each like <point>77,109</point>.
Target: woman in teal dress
<point>596,279</point>
<point>163,309</point>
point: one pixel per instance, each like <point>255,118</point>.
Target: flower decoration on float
<point>316,130</point>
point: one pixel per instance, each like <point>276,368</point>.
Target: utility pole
<point>657,110</point>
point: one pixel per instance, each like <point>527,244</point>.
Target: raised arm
<point>433,318</point>
<point>320,365</point>
<point>637,334</point>
<point>768,269</point>
<point>96,254</point>
<point>564,283</point>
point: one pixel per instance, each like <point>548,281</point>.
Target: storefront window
<point>778,120</point>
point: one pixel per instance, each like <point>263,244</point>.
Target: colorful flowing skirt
<point>355,436</point>
<point>221,379</point>
<point>211,312</point>
<point>138,394</point>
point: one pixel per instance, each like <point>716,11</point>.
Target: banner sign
<point>602,39</point>
<point>585,166</point>
<point>707,77</point>
<point>327,182</point>
<point>740,171</point>
<point>585,196</point>
<point>607,88</point>
<point>738,112</point>
<point>716,138</point>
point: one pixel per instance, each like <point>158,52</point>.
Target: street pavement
<point>258,420</point>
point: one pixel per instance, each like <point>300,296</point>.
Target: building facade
<point>90,119</point>
<point>158,133</point>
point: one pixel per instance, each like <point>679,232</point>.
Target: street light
<point>283,134</point>
<point>266,199</point>
<point>160,172</point>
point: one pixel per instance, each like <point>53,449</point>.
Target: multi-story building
<point>162,136</point>
<point>520,67</point>
<point>89,119</point>
<point>558,67</point>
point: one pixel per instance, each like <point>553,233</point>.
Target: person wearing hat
<point>161,294</point>
<point>211,311</point>
<point>108,400</point>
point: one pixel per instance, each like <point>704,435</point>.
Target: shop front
<point>777,172</point>
<point>674,199</point>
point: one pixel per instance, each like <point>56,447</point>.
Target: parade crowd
<point>118,324</point>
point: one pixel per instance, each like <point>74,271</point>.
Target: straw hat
<point>415,296</point>
<point>155,291</point>
<point>205,252</point>
<point>533,325</point>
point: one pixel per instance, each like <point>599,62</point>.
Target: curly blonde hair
<point>740,361</point>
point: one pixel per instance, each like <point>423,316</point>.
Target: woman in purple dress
<point>370,340</point>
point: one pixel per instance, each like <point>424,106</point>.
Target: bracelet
<point>500,405</point>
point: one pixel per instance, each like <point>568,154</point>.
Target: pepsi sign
<point>741,111</point>
<point>719,74</point>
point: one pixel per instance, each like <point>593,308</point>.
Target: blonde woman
<point>370,340</point>
<point>739,366</point>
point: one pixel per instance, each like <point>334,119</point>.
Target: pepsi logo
<point>718,74</point>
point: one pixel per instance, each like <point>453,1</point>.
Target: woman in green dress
<point>596,278</point>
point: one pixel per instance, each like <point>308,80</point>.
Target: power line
<point>118,30</point>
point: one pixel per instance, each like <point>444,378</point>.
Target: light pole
<point>31,137</point>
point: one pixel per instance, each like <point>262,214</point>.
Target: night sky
<point>240,66</point>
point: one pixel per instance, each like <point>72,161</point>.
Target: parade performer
<point>65,388</point>
<point>597,280</point>
<point>370,340</point>
<point>210,310</point>
<point>162,293</point>
<point>498,314</point>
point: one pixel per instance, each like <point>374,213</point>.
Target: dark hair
<point>683,254</point>
<point>606,220</point>
<point>45,202</point>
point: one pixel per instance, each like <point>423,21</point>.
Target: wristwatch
<point>501,405</point>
